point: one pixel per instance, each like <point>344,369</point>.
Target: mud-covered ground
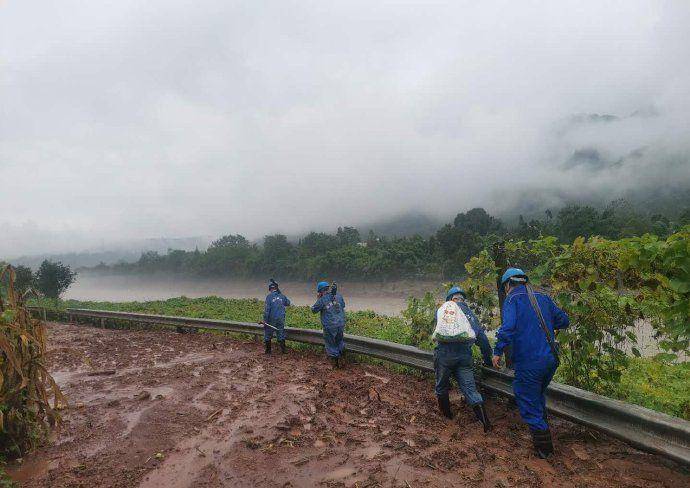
<point>183,410</point>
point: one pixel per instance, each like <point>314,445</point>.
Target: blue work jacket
<point>332,310</point>
<point>521,329</point>
<point>274,308</point>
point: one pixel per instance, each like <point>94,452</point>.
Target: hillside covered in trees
<point>348,254</point>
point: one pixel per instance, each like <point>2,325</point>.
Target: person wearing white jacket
<point>455,331</point>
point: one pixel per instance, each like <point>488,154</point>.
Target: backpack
<point>452,324</point>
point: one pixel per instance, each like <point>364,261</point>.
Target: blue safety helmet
<point>455,291</point>
<point>515,274</point>
<point>272,285</point>
<point>322,285</point>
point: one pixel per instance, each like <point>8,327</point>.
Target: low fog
<point>123,121</point>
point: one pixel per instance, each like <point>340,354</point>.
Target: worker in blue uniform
<point>274,316</point>
<point>529,321</point>
<point>331,305</point>
<point>453,358</point>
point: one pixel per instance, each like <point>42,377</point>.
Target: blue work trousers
<point>454,359</point>
<point>529,387</point>
<point>333,337</point>
<point>268,331</point>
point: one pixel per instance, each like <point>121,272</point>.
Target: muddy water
<point>385,298</point>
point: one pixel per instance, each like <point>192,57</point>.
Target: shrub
<point>52,279</point>
<point>25,410</point>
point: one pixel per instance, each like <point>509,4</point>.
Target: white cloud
<point>130,119</point>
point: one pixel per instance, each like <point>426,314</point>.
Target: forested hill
<point>351,254</point>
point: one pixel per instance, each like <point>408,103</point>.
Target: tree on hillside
<point>53,278</point>
<point>619,219</point>
<point>278,255</point>
<point>348,236</point>
<point>317,243</point>
<point>150,259</point>
<point>231,255</point>
<point>575,221</point>
<point>230,241</point>
<point>24,278</point>
<point>478,221</point>
<point>456,246</point>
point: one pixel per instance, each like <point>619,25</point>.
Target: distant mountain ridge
<point>127,252</point>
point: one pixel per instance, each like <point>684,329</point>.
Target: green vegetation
<point>663,390</point>
<point>604,286</point>
<point>5,481</point>
<point>52,279</point>
<point>365,323</point>
<point>349,255</point>
<point>26,387</point>
<point>657,385</point>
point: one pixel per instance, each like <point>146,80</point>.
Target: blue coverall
<point>454,359</point>
<point>332,310</point>
<point>274,314</point>
<point>533,360</point>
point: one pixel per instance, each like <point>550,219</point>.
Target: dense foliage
<point>52,279</point>
<point>349,255</point>
<point>26,387</point>
<point>606,287</point>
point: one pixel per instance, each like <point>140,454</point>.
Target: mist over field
<point>387,298</point>
<point>125,121</point>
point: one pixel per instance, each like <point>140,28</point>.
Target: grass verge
<point>646,382</point>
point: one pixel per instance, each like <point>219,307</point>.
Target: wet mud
<point>198,410</point>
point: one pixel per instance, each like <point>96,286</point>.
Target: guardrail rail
<point>640,427</point>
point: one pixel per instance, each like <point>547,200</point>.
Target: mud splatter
<point>200,410</point>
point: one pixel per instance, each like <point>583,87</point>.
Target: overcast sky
<point>133,119</point>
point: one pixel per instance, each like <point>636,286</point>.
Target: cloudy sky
<point>131,119</point>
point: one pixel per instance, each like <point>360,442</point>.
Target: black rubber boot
<point>282,347</point>
<point>335,363</point>
<point>444,406</point>
<point>267,345</point>
<point>480,412</point>
<point>543,444</point>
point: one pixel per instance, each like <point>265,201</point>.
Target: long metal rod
<point>643,428</point>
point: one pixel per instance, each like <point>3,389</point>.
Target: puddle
<point>30,470</point>
<point>181,467</point>
<point>371,452</point>
<point>340,473</point>
<point>189,458</point>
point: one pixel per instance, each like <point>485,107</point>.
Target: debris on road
<point>230,416</point>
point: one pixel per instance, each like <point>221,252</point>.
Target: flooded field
<point>384,298</point>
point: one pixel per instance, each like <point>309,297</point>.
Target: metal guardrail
<point>643,428</point>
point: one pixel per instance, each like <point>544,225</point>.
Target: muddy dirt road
<point>199,410</point>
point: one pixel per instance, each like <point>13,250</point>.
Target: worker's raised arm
<point>318,306</point>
